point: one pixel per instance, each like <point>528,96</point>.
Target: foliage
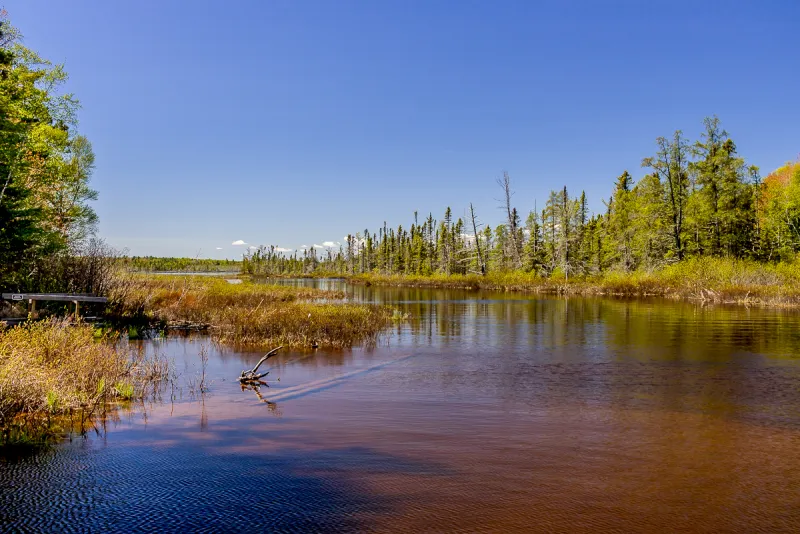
<point>778,214</point>
<point>45,166</point>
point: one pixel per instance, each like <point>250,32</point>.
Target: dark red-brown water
<point>485,412</point>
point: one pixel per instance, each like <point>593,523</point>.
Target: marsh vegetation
<point>52,372</point>
<point>249,314</point>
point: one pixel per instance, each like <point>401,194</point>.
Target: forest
<point>697,199</point>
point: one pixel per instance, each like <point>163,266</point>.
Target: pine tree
<point>620,234</point>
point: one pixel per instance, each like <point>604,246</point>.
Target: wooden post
<point>32,308</point>
<point>77,310</point>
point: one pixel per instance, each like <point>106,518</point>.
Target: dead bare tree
<point>481,260</point>
<point>511,215</point>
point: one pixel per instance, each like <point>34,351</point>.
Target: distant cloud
<point>281,249</point>
<point>357,241</point>
<point>219,248</point>
<point>251,247</point>
<point>329,244</point>
<point>238,242</point>
<point>318,246</point>
<point>304,246</point>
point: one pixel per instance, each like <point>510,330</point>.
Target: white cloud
<point>281,249</point>
<point>251,247</point>
<point>318,246</point>
<point>239,242</point>
<point>358,242</point>
<point>328,244</point>
<point>219,248</point>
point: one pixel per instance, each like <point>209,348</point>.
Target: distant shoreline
<point>634,285</point>
<point>704,280</point>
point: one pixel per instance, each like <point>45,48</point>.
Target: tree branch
<point>251,376</point>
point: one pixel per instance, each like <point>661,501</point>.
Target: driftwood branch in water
<point>251,376</point>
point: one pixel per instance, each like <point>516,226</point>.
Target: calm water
<point>487,412</point>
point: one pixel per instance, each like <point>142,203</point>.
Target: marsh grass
<point>249,314</point>
<point>302,324</point>
<point>50,369</point>
<point>717,280</point>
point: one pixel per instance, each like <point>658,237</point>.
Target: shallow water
<point>487,412</point>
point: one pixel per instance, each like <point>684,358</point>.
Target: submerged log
<point>251,375</point>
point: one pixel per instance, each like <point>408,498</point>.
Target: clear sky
<point>297,122</point>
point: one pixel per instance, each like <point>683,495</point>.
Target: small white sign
<point>16,297</point>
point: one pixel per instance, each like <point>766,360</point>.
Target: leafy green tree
<point>671,166</point>
<point>44,167</point>
<point>778,213</point>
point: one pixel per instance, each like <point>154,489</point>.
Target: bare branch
<point>251,376</point>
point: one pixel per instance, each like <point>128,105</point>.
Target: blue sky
<point>297,122</point>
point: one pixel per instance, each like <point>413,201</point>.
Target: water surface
<point>486,412</point>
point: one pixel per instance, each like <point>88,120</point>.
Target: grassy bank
<point>49,369</point>
<point>706,279</point>
<point>252,314</point>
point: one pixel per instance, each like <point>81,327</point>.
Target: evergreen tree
<point>619,245</point>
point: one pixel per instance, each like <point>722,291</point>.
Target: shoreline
<point>704,280</point>
<point>630,287</point>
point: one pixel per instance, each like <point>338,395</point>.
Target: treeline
<point>196,265</point>
<point>697,199</point>
<point>46,222</point>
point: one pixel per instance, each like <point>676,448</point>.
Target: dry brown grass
<point>252,314</point>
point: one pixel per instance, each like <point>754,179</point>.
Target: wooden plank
<point>62,297</point>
